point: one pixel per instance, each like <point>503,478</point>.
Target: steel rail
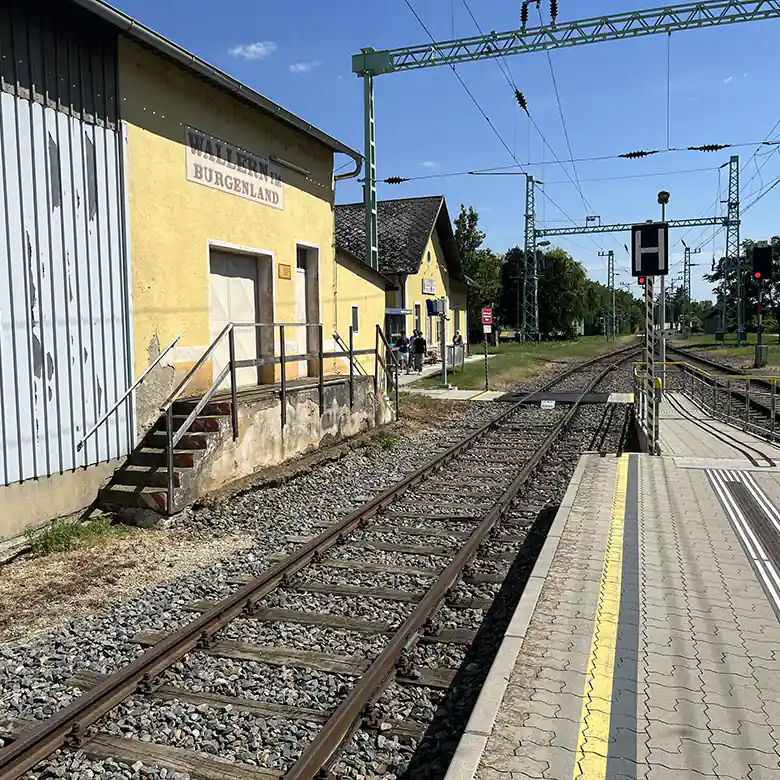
<point>694,358</point>
<point>320,752</point>
<point>763,407</point>
<point>69,725</point>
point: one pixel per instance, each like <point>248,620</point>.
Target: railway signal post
<point>762,270</point>
<point>649,256</point>
<point>487,327</point>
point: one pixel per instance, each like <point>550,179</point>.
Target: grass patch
<point>745,352</point>
<point>511,364</point>
<point>65,535</point>
<point>383,438</point>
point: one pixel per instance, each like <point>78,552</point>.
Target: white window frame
<point>355,318</point>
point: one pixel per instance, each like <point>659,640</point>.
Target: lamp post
<point>663,199</point>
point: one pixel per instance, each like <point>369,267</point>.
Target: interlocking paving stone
<point>702,685</point>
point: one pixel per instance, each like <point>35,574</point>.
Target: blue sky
<point>613,96</point>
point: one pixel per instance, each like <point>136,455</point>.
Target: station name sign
<point>228,168</point>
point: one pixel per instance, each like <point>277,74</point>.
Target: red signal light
<point>757,275</point>
<point>641,280</point>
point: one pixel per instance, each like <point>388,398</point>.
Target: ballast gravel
<point>33,676</point>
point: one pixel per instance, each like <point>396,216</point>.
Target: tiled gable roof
<point>405,225</point>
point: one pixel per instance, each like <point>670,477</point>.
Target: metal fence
<point>385,370</point>
<point>741,400</point>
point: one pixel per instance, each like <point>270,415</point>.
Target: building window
<point>355,319</point>
<point>418,317</point>
<point>438,330</point>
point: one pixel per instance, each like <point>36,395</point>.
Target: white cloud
<point>254,51</point>
<point>728,80</point>
<point>303,67</point>
<point>428,164</point>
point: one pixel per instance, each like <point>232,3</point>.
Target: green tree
<point>510,305</point>
<point>630,312</point>
<point>482,266</point>
<point>562,284</point>
<point>597,305</point>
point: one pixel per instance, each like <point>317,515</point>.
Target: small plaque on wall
<point>285,271</point>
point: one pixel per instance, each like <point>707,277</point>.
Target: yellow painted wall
<point>434,267</point>
<point>357,287</point>
<point>173,220</point>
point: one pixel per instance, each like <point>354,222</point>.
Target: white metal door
<point>234,298</point>
<point>302,312</point>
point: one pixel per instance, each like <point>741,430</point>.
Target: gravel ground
<point>33,675</point>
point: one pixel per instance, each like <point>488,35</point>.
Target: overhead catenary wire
<point>481,111</point>
<point>743,188</point>
<point>607,178</point>
<point>600,158</point>
<point>507,73</point>
<point>668,90</point>
<point>563,118</point>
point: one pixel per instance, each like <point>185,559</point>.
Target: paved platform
<point>647,641</point>
<point>685,430</point>
<point>434,369</point>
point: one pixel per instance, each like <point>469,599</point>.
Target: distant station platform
<point>686,431</point>
<point>455,394</point>
<point>647,641</point>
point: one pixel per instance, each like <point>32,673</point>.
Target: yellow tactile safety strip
<point>593,740</point>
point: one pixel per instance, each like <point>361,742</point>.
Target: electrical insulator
<point>635,155</point>
<point>520,98</point>
<point>524,14</point>
<point>708,147</point>
<point>395,180</point>
<point>554,10</point>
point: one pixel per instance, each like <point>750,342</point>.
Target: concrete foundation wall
<point>38,501</point>
<point>263,442</point>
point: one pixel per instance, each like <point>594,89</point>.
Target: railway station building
<point>151,201</point>
<point>417,252</point>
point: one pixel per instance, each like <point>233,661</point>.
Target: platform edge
<point>473,741</point>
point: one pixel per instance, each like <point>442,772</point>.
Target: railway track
<point>751,404</point>
<point>431,553</point>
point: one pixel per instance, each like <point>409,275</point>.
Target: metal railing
<point>127,392</point>
<point>342,345</point>
<point>390,358</point>
<point>729,398</point>
<point>319,356</point>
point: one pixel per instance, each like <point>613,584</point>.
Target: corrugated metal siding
<point>65,351</point>
<point>55,53</point>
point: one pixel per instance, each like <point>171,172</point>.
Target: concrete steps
<point>143,481</point>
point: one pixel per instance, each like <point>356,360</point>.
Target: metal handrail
<point>128,391</point>
<point>175,436</point>
<point>176,394</point>
<point>381,336</point>
<point>345,347</point>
